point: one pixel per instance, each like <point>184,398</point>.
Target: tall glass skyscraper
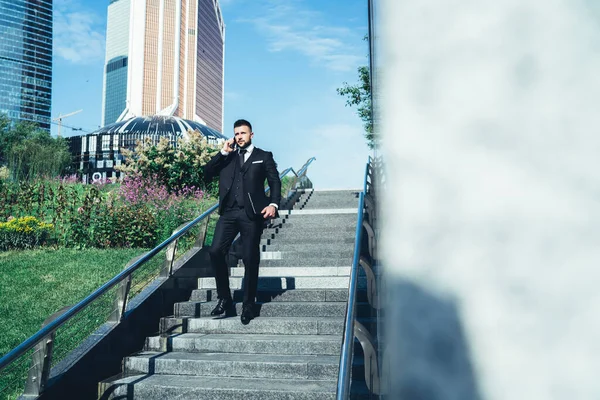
<point>26,60</point>
<point>164,57</point>
<point>117,57</point>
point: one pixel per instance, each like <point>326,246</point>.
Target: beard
<point>248,143</point>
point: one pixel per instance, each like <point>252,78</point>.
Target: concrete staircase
<point>291,350</point>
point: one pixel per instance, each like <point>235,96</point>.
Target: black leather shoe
<point>223,306</point>
<point>247,313</point>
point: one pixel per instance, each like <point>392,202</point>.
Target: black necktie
<point>242,156</point>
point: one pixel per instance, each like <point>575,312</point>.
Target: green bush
<point>121,225</point>
<point>23,233</point>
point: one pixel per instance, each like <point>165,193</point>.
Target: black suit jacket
<point>259,167</point>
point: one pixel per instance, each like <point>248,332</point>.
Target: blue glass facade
<point>114,97</point>
<point>116,89</point>
<point>26,60</point>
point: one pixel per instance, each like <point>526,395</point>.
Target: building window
<point>105,142</point>
<point>93,144</point>
<point>115,142</point>
<point>83,144</point>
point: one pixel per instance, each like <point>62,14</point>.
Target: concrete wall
<point>492,237</point>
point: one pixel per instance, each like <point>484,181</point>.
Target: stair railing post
<point>201,238</point>
<point>167,268</point>
<point>122,294</point>
<point>372,293</point>
<point>370,354</point>
<point>371,238</point>
<point>41,360</point>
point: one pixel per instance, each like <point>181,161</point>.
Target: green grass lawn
<point>35,284</point>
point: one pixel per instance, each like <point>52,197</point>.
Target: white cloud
<point>288,26</point>
<point>79,34</point>
<point>233,96</point>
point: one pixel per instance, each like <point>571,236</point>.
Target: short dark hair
<point>242,122</point>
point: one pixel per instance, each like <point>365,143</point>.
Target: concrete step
<point>264,366</point>
<point>284,295</point>
<point>322,230</point>
<point>160,387</point>
<point>295,271</point>
<point>271,325</point>
<point>302,222</point>
<point>331,200</point>
<point>331,247</point>
<point>305,236</point>
<point>306,255</point>
<point>247,343</point>
<point>181,283</point>
<point>352,210</point>
<point>307,240</point>
<point>271,309</point>
<point>330,192</point>
<point>334,192</point>
<point>191,272</point>
<point>306,262</point>
<point>323,205</point>
<point>301,218</point>
<point>302,282</point>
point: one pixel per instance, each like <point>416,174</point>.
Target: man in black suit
<point>243,207</point>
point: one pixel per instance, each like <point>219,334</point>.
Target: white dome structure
<point>96,154</point>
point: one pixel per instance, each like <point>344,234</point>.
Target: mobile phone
<point>233,145</point>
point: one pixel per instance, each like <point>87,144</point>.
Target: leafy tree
<point>11,134</point>
<point>33,153</point>
<point>359,95</point>
<point>30,152</point>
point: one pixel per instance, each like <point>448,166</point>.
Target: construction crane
<point>60,118</point>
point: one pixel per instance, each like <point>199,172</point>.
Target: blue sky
<point>283,61</point>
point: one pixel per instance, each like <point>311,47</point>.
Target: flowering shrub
<point>170,208</point>
<point>174,168</point>
<point>23,233</point>
<point>69,179</point>
<point>137,189</point>
<point>4,173</point>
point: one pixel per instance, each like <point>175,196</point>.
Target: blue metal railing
<point>344,373</point>
<point>28,344</point>
<point>305,166</point>
<point>343,386</point>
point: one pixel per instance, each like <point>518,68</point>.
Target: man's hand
<point>268,212</point>
<point>227,146</point>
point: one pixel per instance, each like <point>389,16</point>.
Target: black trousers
<point>232,222</point>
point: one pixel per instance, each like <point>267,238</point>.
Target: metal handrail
<point>305,166</point>
<point>62,319</point>
<point>352,328</point>
<point>343,385</point>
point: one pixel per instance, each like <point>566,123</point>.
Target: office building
<point>26,60</point>
<point>164,57</point>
